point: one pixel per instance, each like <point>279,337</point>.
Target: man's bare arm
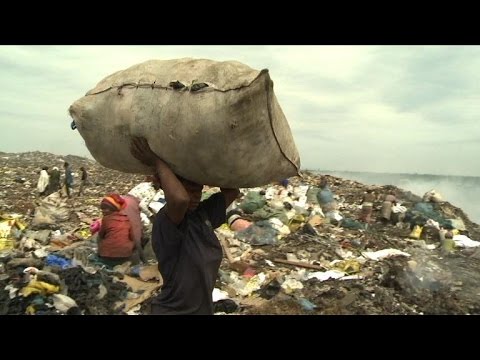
<point>175,194</point>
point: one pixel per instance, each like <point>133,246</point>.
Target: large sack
<point>231,133</point>
<point>52,209</point>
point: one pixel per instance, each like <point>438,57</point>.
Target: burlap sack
<point>215,123</point>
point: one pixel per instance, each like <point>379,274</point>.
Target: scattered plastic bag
<point>306,304</point>
<point>325,275</point>
<point>416,232</point>
<point>8,225</point>
<point>385,253</point>
<point>260,233</point>
<point>54,260</point>
<point>290,285</point>
<point>465,241</point>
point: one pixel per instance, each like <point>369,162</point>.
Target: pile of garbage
<point>47,251</point>
<point>285,253</point>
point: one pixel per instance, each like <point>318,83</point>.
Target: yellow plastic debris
<point>6,244</point>
<point>85,233</point>
<point>295,223</point>
<point>348,266</point>
<point>20,225</point>
<point>416,232</point>
<point>39,287</point>
<point>225,226</point>
<point>6,237</point>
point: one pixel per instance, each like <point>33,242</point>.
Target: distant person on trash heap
<point>116,239</point>
<point>43,181</point>
<point>386,211</point>
<point>325,197</point>
<point>367,206</point>
<point>54,184</point>
<point>68,181</point>
<point>187,249</point>
<point>83,181</point>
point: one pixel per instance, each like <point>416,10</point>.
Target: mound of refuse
<point>288,249</point>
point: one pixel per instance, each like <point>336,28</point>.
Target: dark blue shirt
<point>68,177</point>
<point>189,256</point>
<point>325,196</point>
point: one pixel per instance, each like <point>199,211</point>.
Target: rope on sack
<point>270,115</point>
<point>177,85</point>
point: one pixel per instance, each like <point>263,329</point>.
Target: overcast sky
<point>409,109</point>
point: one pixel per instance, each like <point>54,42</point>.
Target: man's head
<point>323,182</point>
<point>65,164</point>
<point>45,168</point>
